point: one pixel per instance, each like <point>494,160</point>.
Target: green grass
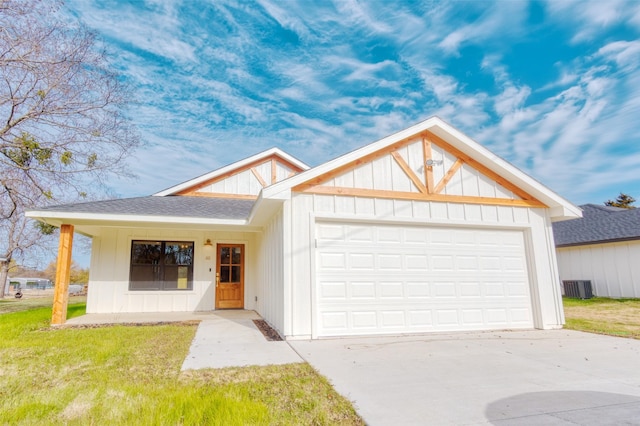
<point>615,317</point>
<point>11,304</point>
<point>131,375</point>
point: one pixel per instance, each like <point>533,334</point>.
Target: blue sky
<point>552,87</point>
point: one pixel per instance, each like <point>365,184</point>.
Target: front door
<point>230,276</point>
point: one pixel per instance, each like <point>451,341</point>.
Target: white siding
<point>271,274</point>
<point>109,281</point>
<point>385,174</point>
<point>535,223</point>
<point>613,268</point>
<point>283,172</point>
<point>245,182</point>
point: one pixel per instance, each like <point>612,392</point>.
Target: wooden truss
<point>253,167</point>
<point>428,190</point>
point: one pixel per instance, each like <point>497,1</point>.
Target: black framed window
<point>161,265</point>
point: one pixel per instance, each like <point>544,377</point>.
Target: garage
<point>391,279</point>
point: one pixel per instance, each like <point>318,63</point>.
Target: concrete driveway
<point>505,378</point>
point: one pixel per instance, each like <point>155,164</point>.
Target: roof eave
<point>564,211</point>
<point>591,243</point>
<point>265,208</point>
<point>113,219</point>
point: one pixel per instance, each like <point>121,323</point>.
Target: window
<point>161,265</point>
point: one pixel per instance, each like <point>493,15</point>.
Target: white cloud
<point>624,53</point>
<point>511,99</point>
<point>567,77</point>
<point>592,16</point>
<point>444,87</point>
<point>285,18</point>
<point>357,12</point>
<point>498,21</point>
<point>156,31</point>
<point>361,71</point>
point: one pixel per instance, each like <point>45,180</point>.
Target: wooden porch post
<point>63,273</point>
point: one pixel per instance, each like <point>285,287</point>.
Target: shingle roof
<point>174,206</point>
<point>599,224</point>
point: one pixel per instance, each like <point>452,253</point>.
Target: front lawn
<point>616,317</point>
<point>28,301</point>
<point>131,375</point>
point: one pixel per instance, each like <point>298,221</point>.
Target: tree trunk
<point>4,274</point>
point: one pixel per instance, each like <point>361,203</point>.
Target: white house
<point>424,230</point>
<point>602,247</point>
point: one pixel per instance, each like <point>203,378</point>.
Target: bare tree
<point>62,129</point>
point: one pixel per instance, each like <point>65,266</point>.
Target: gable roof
<point>599,224</point>
<point>559,208</point>
<point>233,168</point>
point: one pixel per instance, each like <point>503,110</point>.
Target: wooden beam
<point>447,177</point>
<point>482,168</point>
<point>223,176</point>
<point>427,154</point>
<point>527,199</point>
<point>354,164</point>
<point>257,175</point>
<point>63,274</point>
<point>418,196</point>
<point>407,170</point>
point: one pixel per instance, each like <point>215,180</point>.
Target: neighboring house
<point>603,247</point>
<point>22,283</point>
<point>30,283</point>
<point>424,230</point>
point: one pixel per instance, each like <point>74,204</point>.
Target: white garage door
<point>377,279</point>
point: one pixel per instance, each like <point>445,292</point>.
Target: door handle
<point>217,279</point>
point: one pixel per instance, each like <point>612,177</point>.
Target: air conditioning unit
<point>577,289</point>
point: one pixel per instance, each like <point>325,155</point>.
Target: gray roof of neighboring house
<point>176,206</point>
<point>599,224</point>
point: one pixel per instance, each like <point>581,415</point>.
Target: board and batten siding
<point>385,174</point>
<point>246,182</point>
<point>270,249</point>
<point>612,268</point>
<point>110,263</point>
<point>535,223</point>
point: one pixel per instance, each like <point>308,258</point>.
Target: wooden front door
<point>230,276</point>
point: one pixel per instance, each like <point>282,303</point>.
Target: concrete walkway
<point>223,338</point>
<point>532,377</point>
<point>231,339</point>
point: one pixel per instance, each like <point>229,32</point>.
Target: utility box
<point>578,289</point>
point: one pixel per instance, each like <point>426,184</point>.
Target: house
<point>424,230</point>
<point>603,247</point>
<point>23,283</point>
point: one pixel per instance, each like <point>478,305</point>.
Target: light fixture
<point>208,243</point>
<point>431,162</point>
